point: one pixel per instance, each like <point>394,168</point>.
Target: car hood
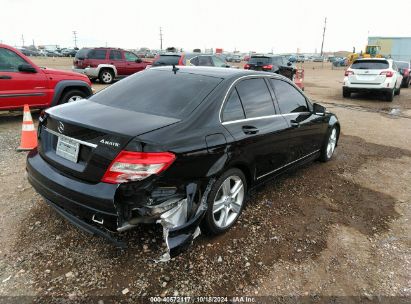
<point>104,118</point>
<point>48,71</point>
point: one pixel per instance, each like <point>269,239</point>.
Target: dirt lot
<point>335,229</point>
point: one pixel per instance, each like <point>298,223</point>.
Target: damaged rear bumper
<point>99,210</point>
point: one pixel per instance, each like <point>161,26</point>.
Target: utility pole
<point>161,39</point>
<point>22,39</point>
<point>75,38</point>
<point>322,44</point>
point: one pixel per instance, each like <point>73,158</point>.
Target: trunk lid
<point>99,133</point>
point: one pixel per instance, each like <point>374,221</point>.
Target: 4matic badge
<point>110,143</point>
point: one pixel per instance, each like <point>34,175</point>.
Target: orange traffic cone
<point>28,132</point>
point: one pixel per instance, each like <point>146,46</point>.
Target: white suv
<point>373,75</point>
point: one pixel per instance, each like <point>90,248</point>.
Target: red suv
<point>106,64</point>
<point>23,82</point>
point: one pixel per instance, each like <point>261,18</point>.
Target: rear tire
<point>389,96</point>
<point>106,76</point>
<point>226,200</point>
<point>72,96</point>
<point>398,91</point>
<point>346,93</point>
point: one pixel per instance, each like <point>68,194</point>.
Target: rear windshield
<point>370,65</point>
<point>167,60</point>
<point>82,54</point>
<point>259,60</point>
<point>402,65</point>
<point>161,93</point>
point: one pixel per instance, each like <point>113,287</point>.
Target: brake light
<point>348,73</point>
<point>181,60</point>
<point>267,67</point>
<point>387,73</point>
<point>135,166</point>
<point>406,72</point>
<point>246,66</point>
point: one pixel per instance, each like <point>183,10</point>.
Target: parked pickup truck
<point>107,64</point>
<point>23,82</point>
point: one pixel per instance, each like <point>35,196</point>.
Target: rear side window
<point>205,61</point>
<point>370,65</point>
<point>402,65</point>
<point>161,93</point>
<point>97,54</point>
<point>10,61</point>
<point>115,55</point>
<point>193,61</point>
<point>255,97</point>
<point>290,100</point>
<point>233,110</point>
<point>167,60</point>
<point>82,54</point>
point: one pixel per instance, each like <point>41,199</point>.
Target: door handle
<point>249,130</point>
<point>5,77</point>
<point>294,124</point>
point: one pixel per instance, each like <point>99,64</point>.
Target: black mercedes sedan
<point>177,146</point>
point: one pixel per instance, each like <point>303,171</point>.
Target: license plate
<point>68,148</point>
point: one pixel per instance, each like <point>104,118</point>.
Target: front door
<point>19,88</point>
<point>133,63</point>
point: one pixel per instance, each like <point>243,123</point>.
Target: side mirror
<point>138,60</point>
<point>289,63</point>
<point>318,109</point>
<point>25,67</point>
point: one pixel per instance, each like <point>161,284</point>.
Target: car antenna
<point>175,69</point>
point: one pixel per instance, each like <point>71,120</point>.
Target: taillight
<point>246,66</point>
<point>387,73</point>
<point>406,72</point>
<point>135,166</point>
<point>181,60</point>
<point>348,73</point>
<point>267,67</point>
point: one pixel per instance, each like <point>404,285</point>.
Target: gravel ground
<point>336,229</point>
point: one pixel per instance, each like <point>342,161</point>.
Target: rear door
<point>305,130</point>
<point>250,117</point>
<point>116,59</point>
<point>19,88</point>
<point>134,63</point>
<point>368,71</point>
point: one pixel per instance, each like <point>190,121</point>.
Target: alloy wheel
<point>106,76</point>
<point>228,201</point>
<point>331,143</point>
<point>74,98</point>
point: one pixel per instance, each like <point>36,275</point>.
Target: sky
<point>261,26</point>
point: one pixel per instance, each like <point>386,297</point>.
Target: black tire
<point>407,84</point>
<point>104,78</point>
<point>398,91</point>
<point>346,93</point>
<point>389,96</point>
<point>71,94</point>
<point>324,156</point>
<point>208,224</point>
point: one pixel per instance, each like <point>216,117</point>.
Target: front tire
<point>72,96</point>
<point>329,145</point>
<point>225,202</point>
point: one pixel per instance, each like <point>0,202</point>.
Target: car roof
<point>214,71</point>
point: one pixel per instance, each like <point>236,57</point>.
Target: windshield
<point>402,65</point>
<point>259,60</point>
<point>158,92</point>
<point>167,60</point>
<point>370,64</point>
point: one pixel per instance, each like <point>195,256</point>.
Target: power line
<point>75,38</point>
<point>161,39</point>
<point>322,44</point>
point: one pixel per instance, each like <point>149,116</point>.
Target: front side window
<point>290,100</point>
<point>131,57</point>
<point>97,54</point>
<point>255,97</point>
<point>218,62</point>
<point>115,55</point>
<point>10,61</point>
<point>233,110</point>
